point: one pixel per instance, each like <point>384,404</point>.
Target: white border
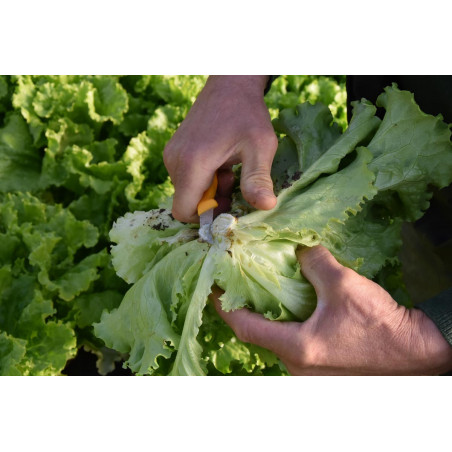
<point>238,36</point>
<point>224,414</point>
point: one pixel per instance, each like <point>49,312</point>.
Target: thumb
<point>256,183</point>
<point>321,268</point>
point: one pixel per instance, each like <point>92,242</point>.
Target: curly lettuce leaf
<point>288,91</point>
<point>33,343</point>
<point>311,129</point>
<point>302,213</point>
<point>420,145</point>
<point>143,238</point>
<point>143,160</point>
<point>154,333</point>
<point>12,351</point>
<point>20,163</point>
<point>266,277</point>
<point>225,354</point>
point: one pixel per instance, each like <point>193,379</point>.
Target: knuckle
<point>340,276</point>
<point>180,169</point>
<point>186,160</point>
<point>243,333</point>
<point>309,357</point>
<point>322,262</point>
<point>179,158</point>
<point>169,154</point>
<point>306,356</point>
<point>264,139</point>
<point>259,176</point>
<point>309,346</point>
<point>314,258</point>
<point>339,281</point>
<point>272,141</point>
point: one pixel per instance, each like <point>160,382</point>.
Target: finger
<point>256,183</point>
<point>224,205</point>
<point>224,191</point>
<point>321,268</point>
<point>225,182</point>
<point>279,337</point>
<point>189,187</point>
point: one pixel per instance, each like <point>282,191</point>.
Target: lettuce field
<point>77,153</point>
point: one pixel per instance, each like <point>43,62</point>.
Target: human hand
<point>356,329</point>
<point>229,123</point>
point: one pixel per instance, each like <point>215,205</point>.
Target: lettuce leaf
<point>20,164</point>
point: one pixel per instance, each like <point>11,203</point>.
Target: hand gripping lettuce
<point>350,192</point>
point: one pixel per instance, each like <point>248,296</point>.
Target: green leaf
<point>80,277</point>
<point>188,359</point>
<point>12,351</point>
<point>43,345</point>
<point>311,129</point>
<point>150,184</point>
<point>20,163</point>
<point>367,240</point>
<point>108,100</point>
<point>266,277</point>
<point>140,237</point>
<point>421,146</point>
<point>89,307</point>
<point>225,354</point>
<point>23,101</point>
<point>150,335</point>
<point>178,89</point>
<point>302,214</point>
<point>52,236</point>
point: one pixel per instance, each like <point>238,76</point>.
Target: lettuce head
<point>350,192</point>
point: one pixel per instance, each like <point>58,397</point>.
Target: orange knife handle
<point>207,201</point>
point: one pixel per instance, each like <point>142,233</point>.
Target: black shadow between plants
<point>84,364</point>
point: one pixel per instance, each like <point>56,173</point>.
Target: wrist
<point>251,84</point>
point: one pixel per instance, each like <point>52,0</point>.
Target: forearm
<point>236,83</point>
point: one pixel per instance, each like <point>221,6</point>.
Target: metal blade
<point>206,218</point>
<point>205,221</point>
